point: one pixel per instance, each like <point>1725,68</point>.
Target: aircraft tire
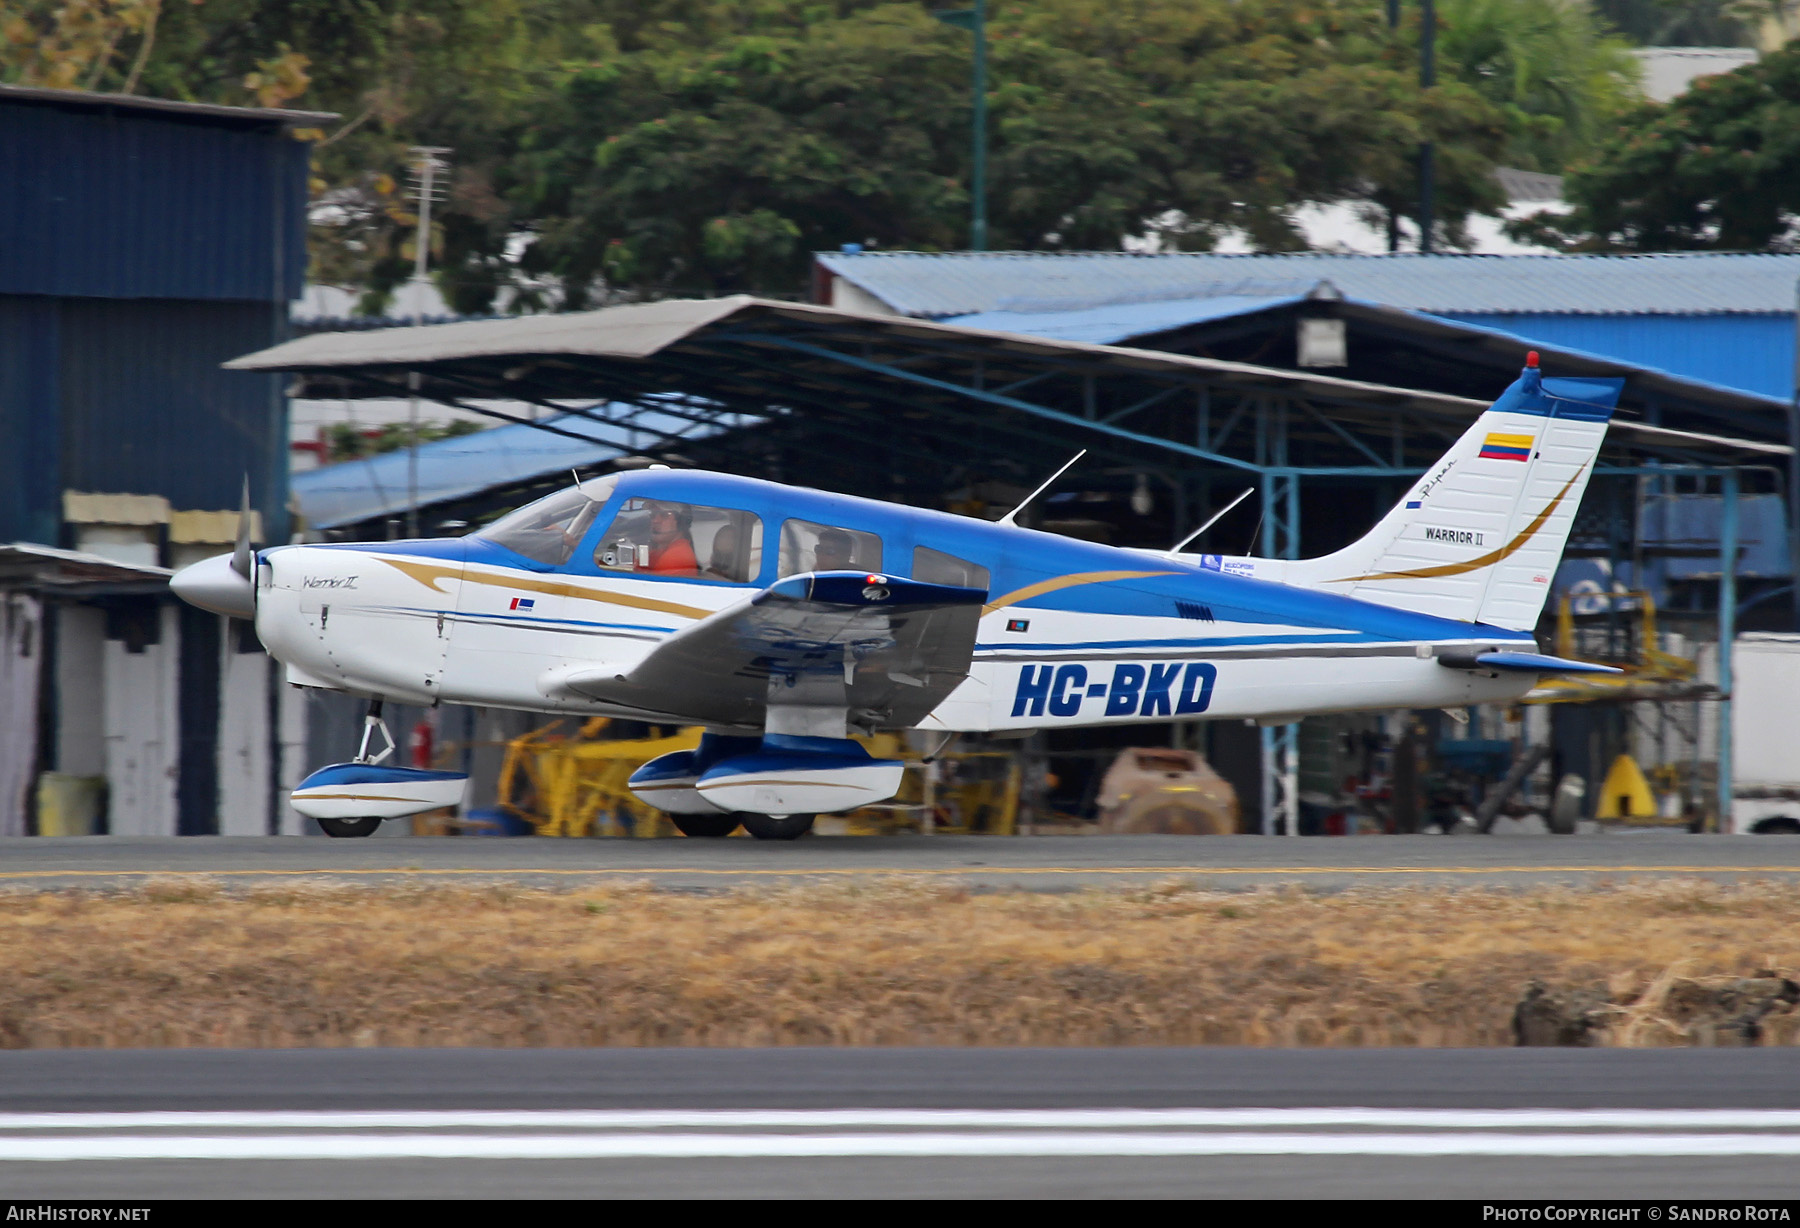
<point>777,827</point>
<point>704,826</point>
<point>344,829</point>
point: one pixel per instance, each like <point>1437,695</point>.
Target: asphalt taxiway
<point>1043,863</point>
<point>736,1123</point>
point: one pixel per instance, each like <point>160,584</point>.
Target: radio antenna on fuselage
<point>1010,518</point>
<point>1215,518</point>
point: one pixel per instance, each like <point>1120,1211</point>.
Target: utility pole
<point>428,166</point>
<point>975,21</point>
<point>1793,484</point>
<point>1393,217</point>
<point>1427,153</point>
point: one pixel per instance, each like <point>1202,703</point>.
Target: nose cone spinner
<point>213,584</point>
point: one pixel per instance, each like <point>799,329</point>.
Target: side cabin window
<point>935,567</point>
<point>661,537</point>
<point>548,530</point>
<point>806,546</point>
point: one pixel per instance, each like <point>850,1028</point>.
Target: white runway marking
<point>941,1133</point>
<point>343,1146</point>
<point>1015,1119</point>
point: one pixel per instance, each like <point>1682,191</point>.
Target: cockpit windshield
<point>549,530</point>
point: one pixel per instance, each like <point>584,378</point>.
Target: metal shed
<point>142,243</point>
<point>1719,317</point>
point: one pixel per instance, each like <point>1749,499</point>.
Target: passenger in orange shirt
<point>671,541</point>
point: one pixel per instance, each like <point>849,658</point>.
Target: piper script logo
<point>1158,688</point>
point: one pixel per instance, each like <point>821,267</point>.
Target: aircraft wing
<point>887,649</point>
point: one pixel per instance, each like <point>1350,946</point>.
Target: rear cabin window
<point>806,546</point>
<point>549,530</point>
<point>661,537</point>
<point>935,567</point>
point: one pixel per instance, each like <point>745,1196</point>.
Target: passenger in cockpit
<point>834,551</point>
<point>672,541</point>
<point>722,564</point>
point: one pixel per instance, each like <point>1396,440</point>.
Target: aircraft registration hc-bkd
<point>783,620</point>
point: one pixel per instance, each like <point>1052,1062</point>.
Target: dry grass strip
<point>872,963</point>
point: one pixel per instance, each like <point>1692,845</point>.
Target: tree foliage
<point>1719,167</point>
<point>1559,78</point>
<point>609,148</point>
<point>705,161</point>
<point>1676,23</point>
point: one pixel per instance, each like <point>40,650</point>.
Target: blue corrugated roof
<point>1753,352</point>
<point>1128,323</point>
<point>451,469</point>
<point>1115,323</point>
<point>962,283</point>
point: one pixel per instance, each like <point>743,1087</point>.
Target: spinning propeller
<point>224,583</point>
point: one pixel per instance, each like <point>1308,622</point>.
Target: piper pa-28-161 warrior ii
<point>784,620</point>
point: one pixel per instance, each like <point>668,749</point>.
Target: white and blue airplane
<point>785,620</point>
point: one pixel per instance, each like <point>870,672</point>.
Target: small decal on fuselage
<point>1018,624</point>
<point>328,582</point>
<point>1152,688</point>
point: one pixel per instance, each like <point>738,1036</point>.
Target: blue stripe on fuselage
<point>1016,559</point>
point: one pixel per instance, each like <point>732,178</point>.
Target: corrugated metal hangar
<point>1718,317</point>
<point>142,244</point>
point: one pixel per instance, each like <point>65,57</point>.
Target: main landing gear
<point>761,826</point>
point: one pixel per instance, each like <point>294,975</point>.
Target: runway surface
<point>1672,1124</point>
<point>1045,863</point>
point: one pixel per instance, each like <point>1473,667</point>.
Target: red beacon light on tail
<point>1531,359</point>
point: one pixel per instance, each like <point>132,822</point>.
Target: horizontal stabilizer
<point>1525,663</point>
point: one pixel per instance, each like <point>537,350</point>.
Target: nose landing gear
<point>351,799</point>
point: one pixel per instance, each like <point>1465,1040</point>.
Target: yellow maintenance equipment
<point>1626,794</point>
<point>572,783</point>
<point>1649,672</point>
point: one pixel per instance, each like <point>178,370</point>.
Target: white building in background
<point>1668,71</point>
<point>311,422</point>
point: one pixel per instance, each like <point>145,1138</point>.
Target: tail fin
<point>1478,537</point>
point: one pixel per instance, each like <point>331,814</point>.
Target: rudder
<point>1479,535</point>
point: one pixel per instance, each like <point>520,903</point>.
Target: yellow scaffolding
<point>1649,672</point>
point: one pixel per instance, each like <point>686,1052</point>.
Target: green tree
<point>345,441</point>
<point>1550,67</point>
<point>1719,167</point>
<point>1675,23</point>
<point>686,164</point>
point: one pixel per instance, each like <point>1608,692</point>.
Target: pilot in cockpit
<point>834,551</point>
<point>671,540</point>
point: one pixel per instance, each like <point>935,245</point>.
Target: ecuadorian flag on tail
<point>1507,447</point>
